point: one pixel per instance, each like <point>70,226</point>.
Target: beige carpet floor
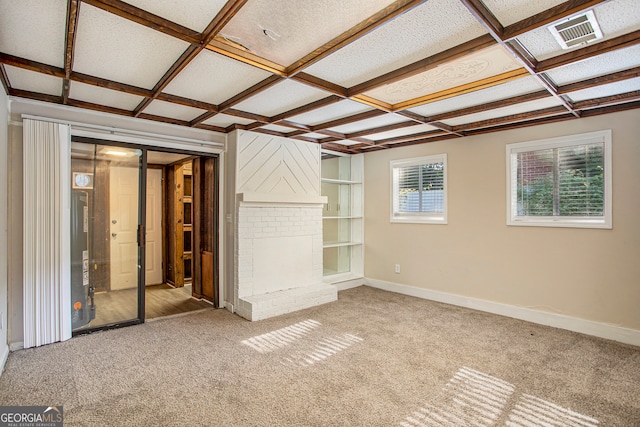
<point>372,358</point>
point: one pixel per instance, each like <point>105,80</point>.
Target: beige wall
<point>583,273</point>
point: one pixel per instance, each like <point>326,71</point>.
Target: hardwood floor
<point>160,300</point>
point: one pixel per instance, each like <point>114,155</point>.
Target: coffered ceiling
<point>352,75</point>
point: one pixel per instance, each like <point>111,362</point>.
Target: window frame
<point>512,151</point>
<point>419,217</point>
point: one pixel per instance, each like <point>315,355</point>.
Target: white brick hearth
<point>279,259</point>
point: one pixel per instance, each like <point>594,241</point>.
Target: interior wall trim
<point>583,326</point>
<point>3,359</point>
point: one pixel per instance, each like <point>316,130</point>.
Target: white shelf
<point>341,217</point>
<point>339,244</point>
<point>338,181</point>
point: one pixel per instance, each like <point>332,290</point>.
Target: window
<point>419,190</point>
<point>560,182</point>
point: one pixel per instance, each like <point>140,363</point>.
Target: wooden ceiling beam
<point>608,100</point>
<point>147,19</point>
<point>347,120</point>
<point>552,111</point>
<point>28,64</point>
<point>381,129</point>
<point>248,93</point>
<point>332,99</point>
<point>222,18</point>
<point>99,107</point>
<point>109,84</point>
<point>73,10</point>
<point>35,96</point>
<point>187,56</point>
<point>4,79</point>
<point>211,128</point>
<point>188,102</point>
<point>424,64</point>
<point>488,20</point>
<point>319,83</point>
<point>612,109</point>
<point>548,16</point>
<point>164,119</point>
<point>590,51</point>
<point>412,137</point>
<point>600,80</point>
<point>378,19</point>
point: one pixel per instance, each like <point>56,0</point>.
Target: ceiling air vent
<point>576,30</point>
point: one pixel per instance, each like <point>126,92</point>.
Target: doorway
<point>133,225</point>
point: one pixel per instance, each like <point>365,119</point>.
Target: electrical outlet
<point>397,269</point>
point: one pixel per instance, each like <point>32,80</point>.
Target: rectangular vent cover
<point>576,30</point>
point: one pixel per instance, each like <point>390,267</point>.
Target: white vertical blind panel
<point>47,290</point>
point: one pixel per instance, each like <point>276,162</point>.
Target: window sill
<point>560,222</point>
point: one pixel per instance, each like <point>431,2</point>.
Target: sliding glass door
<point>106,266</point>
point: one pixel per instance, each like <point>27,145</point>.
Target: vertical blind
<point>564,181</point>
<point>46,251</point>
<point>419,188</point>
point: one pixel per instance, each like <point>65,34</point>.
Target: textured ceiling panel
<point>615,18</point>
<point>432,27</point>
<point>611,62</point>
<point>214,78</point>
<point>277,128</point>
<point>34,82</point>
<point>281,97</point>
<point>606,90</point>
<point>511,11</point>
<point>495,93</point>
<point>194,14</point>
<point>331,112</point>
<point>34,30</point>
<point>505,111</point>
<point>478,65</point>
<point>389,119</point>
<point>283,34</point>
<point>102,96</point>
<point>123,51</point>
<point>174,111</point>
<point>224,120</point>
<point>401,132</point>
<point>315,135</point>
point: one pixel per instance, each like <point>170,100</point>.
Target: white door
<point>123,201</point>
<point>153,248</point>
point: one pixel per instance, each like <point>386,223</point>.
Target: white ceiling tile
<point>194,14</point>
<point>330,112</point>
<point>34,30</point>
<point>615,18</point>
<point>388,119</point>
<point>511,11</point>
<point>315,135</point>
<point>277,128</point>
<point>102,96</point>
<point>606,90</point>
<point>20,78</point>
<point>281,97</point>
<point>538,104</point>
<point>430,28</point>
<point>224,120</point>
<point>296,28</point>
<point>607,63</point>
<point>401,132</point>
<point>120,50</point>
<point>510,89</point>
<point>214,78</point>
<point>476,66</point>
<point>174,111</point>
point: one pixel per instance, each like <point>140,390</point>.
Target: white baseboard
<point>14,346</point>
<point>588,327</point>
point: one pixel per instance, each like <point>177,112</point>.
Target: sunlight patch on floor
<point>281,337</point>
<point>473,398</point>
<point>324,349</point>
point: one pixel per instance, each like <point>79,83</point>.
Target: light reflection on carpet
<point>473,398</point>
<point>281,337</point>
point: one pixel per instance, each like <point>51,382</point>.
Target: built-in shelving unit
<point>342,219</point>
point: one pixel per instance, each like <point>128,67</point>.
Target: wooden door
<point>153,251</point>
<point>123,210</point>
<point>205,283</point>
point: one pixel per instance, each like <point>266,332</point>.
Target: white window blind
<point>562,181</point>
<point>419,190</point>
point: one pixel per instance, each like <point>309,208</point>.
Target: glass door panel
<point>105,215</point>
